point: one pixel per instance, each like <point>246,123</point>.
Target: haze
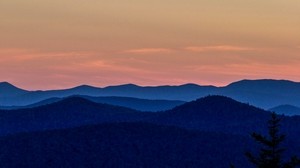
<point>62,43</point>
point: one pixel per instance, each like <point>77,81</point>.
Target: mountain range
<point>134,126</point>
<point>264,93</point>
<point>70,112</point>
<point>212,113</point>
<point>129,102</point>
<point>76,132</point>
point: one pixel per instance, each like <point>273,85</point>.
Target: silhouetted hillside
<point>212,113</point>
<point>123,145</point>
<point>216,113</point>
<point>137,104</point>
<point>222,114</point>
<point>69,112</point>
<point>133,103</point>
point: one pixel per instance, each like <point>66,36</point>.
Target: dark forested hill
<point>137,104</point>
<point>223,114</point>
<point>216,113</point>
<point>128,145</point>
<point>129,102</point>
<point>70,112</point>
<point>212,113</point>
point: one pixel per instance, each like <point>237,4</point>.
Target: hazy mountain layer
<point>261,93</point>
<point>133,103</point>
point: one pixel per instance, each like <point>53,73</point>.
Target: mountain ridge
<point>217,117</point>
<point>263,93</point>
<point>129,102</point>
<point>70,112</point>
<point>213,113</point>
<point>142,86</point>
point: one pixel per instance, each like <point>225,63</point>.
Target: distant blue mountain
<point>9,90</point>
<point>261,93</point>
<point>288,110</point>
<point>41,103</point>
<point>136,103</point>
<point>264,93</point>
<point>133,103</point>
<point>70,112</point>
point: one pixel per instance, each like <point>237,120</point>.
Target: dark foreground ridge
<point>70,112</point>
<point>129,145</point>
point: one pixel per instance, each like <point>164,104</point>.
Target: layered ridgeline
<point>261,93</point>
<point>208,132</point>
<point>212,113</point>
<point>129,102</point>
<point>70,112</point>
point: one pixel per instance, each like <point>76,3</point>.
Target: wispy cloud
<point>216,48</point>
<point>189,49</point>
<point>148,50</point>
<point>24,55</point>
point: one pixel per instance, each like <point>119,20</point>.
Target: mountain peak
<point>85,87</point>
<point>124,86</point>
<point>7,89</point>
<point>190,85</point>
<point>129,85</point>
<point>262,82</point>
<point>215,105</point>
<point>5,84</point>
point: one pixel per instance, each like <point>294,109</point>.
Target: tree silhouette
<point>270,155</point>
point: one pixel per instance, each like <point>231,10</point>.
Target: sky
<point>53,44</point>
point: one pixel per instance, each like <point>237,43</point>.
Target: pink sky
<point>58,44</point>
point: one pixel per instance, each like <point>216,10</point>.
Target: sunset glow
<point>62,43</point>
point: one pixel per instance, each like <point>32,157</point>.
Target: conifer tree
<point>270,155</point>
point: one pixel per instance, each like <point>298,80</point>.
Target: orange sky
<point>49,44</point>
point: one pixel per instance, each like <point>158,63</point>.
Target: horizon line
<point>141,85</point>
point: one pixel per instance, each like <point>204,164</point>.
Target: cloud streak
<point>148,50</point>
<point>220,48</point>
<point>217,48</point>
